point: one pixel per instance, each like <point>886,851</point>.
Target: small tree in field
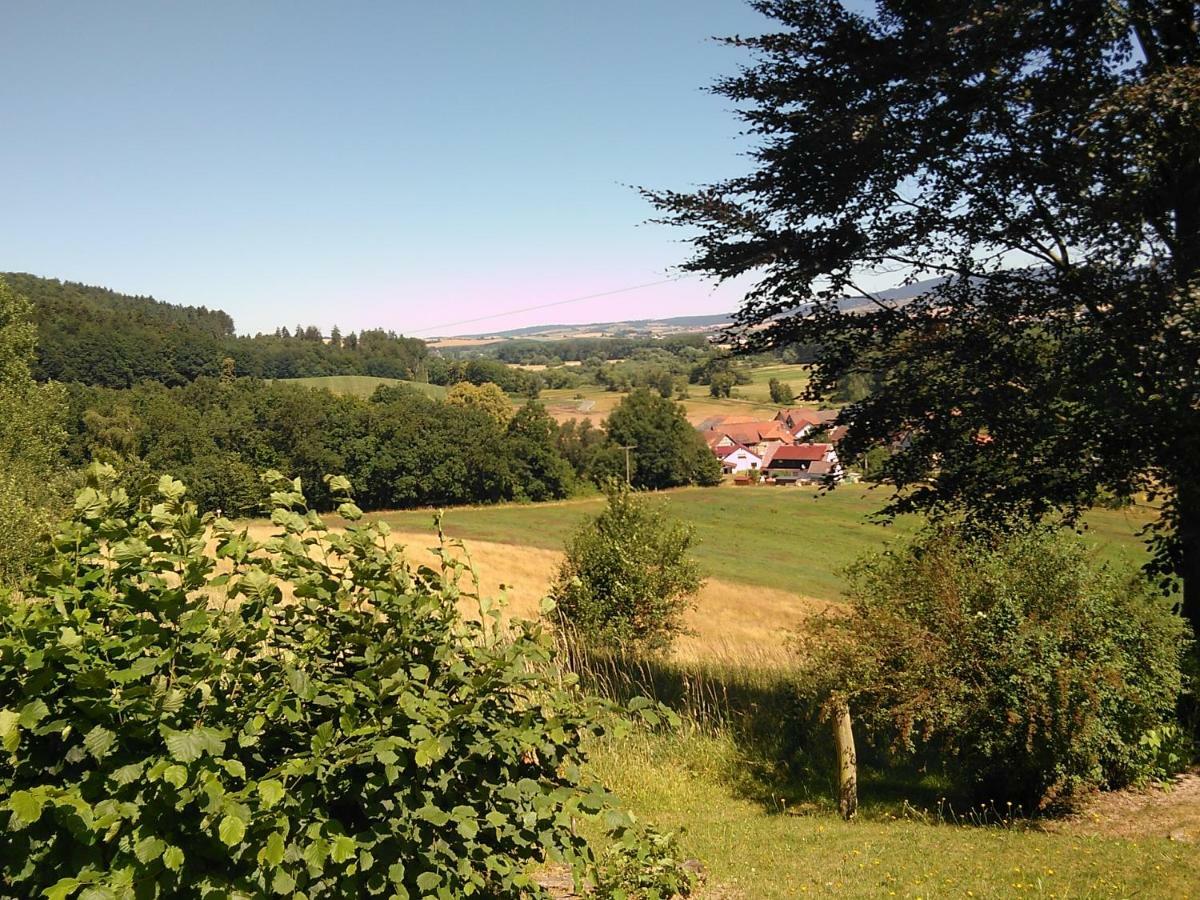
<point>1033,672</point>
<point>628,578</point>
<point>781,392</point>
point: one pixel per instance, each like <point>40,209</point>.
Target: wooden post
<point>847,763</point>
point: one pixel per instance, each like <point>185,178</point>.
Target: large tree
<point>1039,160</point>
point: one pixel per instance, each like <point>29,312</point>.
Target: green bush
<point>1033,672</point>
<point>308,717</point>
<point>627,579</point>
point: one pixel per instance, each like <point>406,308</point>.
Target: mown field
<point>754,399</point>
<point>364,385</point>
<point>795,539</point>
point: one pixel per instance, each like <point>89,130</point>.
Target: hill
<point>96,336</point>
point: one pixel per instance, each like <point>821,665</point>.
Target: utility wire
<point>525,309</point>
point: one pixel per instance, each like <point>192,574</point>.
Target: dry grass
<point>731,622</point>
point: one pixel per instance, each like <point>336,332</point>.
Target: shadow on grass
<point>786,758</point>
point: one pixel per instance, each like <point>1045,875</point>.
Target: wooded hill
<point>96,336</point>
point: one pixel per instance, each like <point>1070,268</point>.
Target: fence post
<point>847,762</point>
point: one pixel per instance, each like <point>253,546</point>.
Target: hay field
<point>363,385</point>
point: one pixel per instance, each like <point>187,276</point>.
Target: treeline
<point>100,337</point>
<point>527,351</point>
<point>399,448</point>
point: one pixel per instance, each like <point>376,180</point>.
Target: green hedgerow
<point>1035,673</point>
<point>303,716</point>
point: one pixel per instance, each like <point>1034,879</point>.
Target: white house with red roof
<point>804,462</point>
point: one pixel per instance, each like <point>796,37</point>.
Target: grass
<point>753,400</point>
<point>364,385</point>
<point>758,389</point>
<point>759,849</point>
<point>793,539</point>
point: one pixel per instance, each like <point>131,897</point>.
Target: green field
<point>363,385</point>
<point>758,389</point>
<point>758,847</point>
<point>791,538</point>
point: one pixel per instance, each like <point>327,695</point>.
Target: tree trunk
<point>1189,554</point>
<point>847,763</point>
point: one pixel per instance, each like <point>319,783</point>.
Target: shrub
<point>1036,673</point>
<point>318,720</point>
<point>781,392</point>
<point>627,578</point>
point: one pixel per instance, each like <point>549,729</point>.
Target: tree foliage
<point>1033,673</point>
<point>486,397</point>
<point>319,720</point>
<point>628,577</point>
<point>1041,161</point>
<point>667,450</point>
<point>31,439</point>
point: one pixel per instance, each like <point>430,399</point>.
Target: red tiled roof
<point>802,452</point>
<point>753,432</point>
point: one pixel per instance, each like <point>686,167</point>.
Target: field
<point>773,557</point>
<point>364,385</point>
<point>794,539</point>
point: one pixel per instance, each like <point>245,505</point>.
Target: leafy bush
<point>1037,673</point>
<point>643,865</point>
<point>317,719</point>
<point>627,578</point>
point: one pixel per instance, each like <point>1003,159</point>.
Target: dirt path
<point>1171,812</point>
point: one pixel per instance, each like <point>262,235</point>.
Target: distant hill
<point>672,325</point>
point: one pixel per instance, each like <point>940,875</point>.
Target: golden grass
<point>731,622</point>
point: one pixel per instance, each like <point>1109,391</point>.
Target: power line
<point>513,312</point>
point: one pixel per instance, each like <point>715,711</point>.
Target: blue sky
<point>395,164</point>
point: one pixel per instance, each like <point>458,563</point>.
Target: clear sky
<point>395,164</point>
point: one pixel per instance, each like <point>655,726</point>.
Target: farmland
<point>364,385</point>
<point>791,539</point>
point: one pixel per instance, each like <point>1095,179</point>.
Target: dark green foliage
<point>1038,165</point>
<point>668,452</point>
<point>628,578</point>
<point>781,392</point>
<point>96,336</point>
<point>320,720</point>
<point>399,448</point>
<point>1035,674</point>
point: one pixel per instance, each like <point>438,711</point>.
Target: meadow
<point>364,385</point>
<point>769,830</point>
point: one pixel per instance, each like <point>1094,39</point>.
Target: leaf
<point>231,831</point>
<point>343,848</point>
<point>234,767</point>
<point>99,741</point>
<point>149,849</point>
<point>32,713</point>
<point>271,791</point>
<point>427,881</point>
<point>189,746</point>
<point>176,776</point>
<point>273,852</point>
<point>10,733</point>
<point>173,858</point>
<point>26,808</point>
<point>171,488</point>
<point>61,889</point>
<point>300,683</point>
<point>283,883</point>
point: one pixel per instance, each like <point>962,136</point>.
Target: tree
<point>1037,671</point>
<point>486,397</point>
<point>721,384</point>
<point>31,438</point>
<point>781,392</point>
<point>628,578</point>
<point>1039,164</point>
<point>667,451</point>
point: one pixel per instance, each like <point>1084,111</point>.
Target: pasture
<point>364,385</point>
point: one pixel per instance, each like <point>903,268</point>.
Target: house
<point>800,421</point>
<point>760,438</point>
<point>804,462</point>
<point>737,458</point>
<point>715,423</point>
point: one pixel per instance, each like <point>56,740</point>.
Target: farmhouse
<point>735,458</point>
<point>760,438</point>
<point>804,462</point>
<point>800,421</point>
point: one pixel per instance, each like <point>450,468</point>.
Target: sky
<point>404,165</point>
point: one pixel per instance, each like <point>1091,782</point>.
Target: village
<point>797,446</point>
